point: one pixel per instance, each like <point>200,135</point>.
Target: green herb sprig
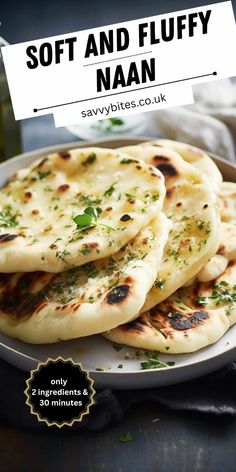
<point>8,219</point>
<point>43,174</point>
<point>117,347</point>
<point>89,219</point>
<point>108,124</point>
<point>126,437</point>
<point>89,160</point>
<point>110,190</point>
<point>126,160</point>
<point>221,294</point>
<point>154,362</point>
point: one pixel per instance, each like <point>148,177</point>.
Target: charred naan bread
<point>190,319</point>
<point>38,204</point>
<point>44,307</point>
<point>195,156</point>
<point>190,204</point>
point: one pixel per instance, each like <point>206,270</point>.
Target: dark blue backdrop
<point>23,20</point>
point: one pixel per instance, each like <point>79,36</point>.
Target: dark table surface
<point>163,440</point>
<point>176,442</point>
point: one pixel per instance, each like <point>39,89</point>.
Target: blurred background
<point>25,20</point>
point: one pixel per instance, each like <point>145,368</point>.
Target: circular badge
<point>59,392</point>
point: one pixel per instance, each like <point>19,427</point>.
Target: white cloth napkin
<point>209,123</point>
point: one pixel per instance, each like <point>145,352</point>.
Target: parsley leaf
<point>108,124</point>
<point>202,301</point>
<point>8,218</point>
<point>117,347</point>
<point>159,283</point>
<point>126,437</point>
<point>116,121</point>
<point>154,362</point>
<point>90,159</point>
<point>89,219</point>
<point>43,174</point>
<point>110,190</point>
<point>221,294</point>
<point>129,196</point>
<point>126,161</point>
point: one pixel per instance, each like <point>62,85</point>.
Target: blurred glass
<point>10,137</point>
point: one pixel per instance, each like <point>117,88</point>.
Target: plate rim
<point>132,372</point>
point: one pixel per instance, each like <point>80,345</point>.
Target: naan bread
<point>98,296</point>
<point>226,252</point>
<point>38,204</point>
<point>227,195</point>
<point>227,247</point>
<point>190,319</point>
<point>195,156</point>
<point>190,204</point>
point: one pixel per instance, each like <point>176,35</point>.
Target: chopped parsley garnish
<point>8,218</point>
<point>43,174</point>
<point>117,347</point>
<point>129,196</point>
<point>222,294</point>
<point>200,224</point>
<point>62,254</point>
<point>154,198</point>
<point>58,239</point>
<point>108,124</point>
<point>85,250</point>
<point>90,159</point>
<point>126,161</point>
<point>110,190</point>
<point>202,301</point>
<point>204,225</point>
<point>91,300</point>
<point>159,283</point>
<point>126,437</point>
<point>173,253</point>
<point>89,219</point>
<point>115,122</point>
<point>154,362</point>
<point>88,200</point>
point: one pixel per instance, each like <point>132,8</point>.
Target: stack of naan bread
<point>136,243</point>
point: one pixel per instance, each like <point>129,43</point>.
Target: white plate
<point>95,352</point>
